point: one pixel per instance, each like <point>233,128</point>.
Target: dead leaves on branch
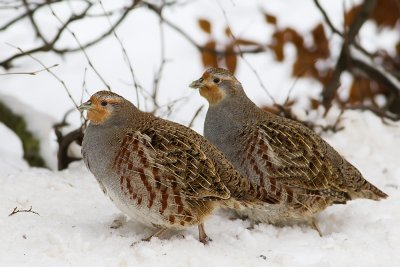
<point>214,54</point>
<point>365,88</point>
<point>314,56</point>
<point>385,14</point>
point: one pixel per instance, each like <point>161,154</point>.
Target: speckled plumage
<point>275,152</point>
<point>158,172</point>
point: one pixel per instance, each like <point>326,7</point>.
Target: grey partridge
<point>160,173</point>
<point>275,153</point>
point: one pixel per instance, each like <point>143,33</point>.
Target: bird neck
<point>225,121</point>
<point>238,110</point>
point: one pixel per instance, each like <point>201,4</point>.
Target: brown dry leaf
<point>314,103</point>
<point>228,32</point>
<point>385,14</point>
<point>351,14</point>
<point>208,57</point>
<point>321,44</point>
<point>280,38</point>
<point>364,89</point>
<point>357,91</point>
<point>305,63</point>
<point>291,35</point>
<point>277,45</point>
<point>230,58</point>
<point>270,19</point>
<point>271,109</point>
<point>290,103</point>
<point>205,25</point>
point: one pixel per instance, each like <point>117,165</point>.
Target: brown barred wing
<point>293,156</point>
<point>160,163</point>
<point>180,152</point>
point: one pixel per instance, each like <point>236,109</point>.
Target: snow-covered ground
<point>73,228</point>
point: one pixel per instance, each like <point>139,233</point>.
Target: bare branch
<point>338,32</point>
<point>16,210</point>
<point>31,72</point>
<point>158,75</point>
<point>51,45</point>
<point>125,54</point>
<point>156,10</point>
<point>49,71</point>
<point>196,114</point>
<point>383,114</point>
<point>105,34</point>
<point>34,9</point>
<point>244,59</point>
<point>65,25</point>
<point>327,19</point>
<point>342,63</point>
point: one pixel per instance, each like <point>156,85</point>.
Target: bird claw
<point>118,222</point>
<point>147,239</point>
<point>205,240</point>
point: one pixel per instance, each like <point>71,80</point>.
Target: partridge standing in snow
<point>158,172</point>
<point>275,153</point>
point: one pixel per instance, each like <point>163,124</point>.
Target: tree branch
<point>343,60</point>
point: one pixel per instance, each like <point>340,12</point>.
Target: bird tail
<point>369,191</point>
<point>358,186</point>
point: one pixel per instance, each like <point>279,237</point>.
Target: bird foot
<point>118,222</point>
<point>205,240</point>
<point>251,226</point>
<point>156,234</point>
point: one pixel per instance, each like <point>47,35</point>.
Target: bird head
<point>101,106</point>
<point>216,84</point>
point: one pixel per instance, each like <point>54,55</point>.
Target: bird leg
<point>314,226</point>
<point>156,234</point>
<point>202,235</point>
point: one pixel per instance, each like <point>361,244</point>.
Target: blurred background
<point>307,60</point>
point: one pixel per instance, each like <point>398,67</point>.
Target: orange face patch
<point>212,93</point>
<point>97,113</point>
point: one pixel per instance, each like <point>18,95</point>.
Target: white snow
<point>73,228</point>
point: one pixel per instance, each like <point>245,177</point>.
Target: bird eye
<point>216,80</point>
<point>103,103</point>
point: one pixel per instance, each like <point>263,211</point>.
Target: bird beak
<point>197,84</point>
<point>85,106</point>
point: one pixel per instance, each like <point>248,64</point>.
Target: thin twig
<point>80,46</point>
<point>105,34</point>
<point>196,114</point>
<point>185,35</point>
<point>338,32</point>
<point>377,111</point>
<point>84,90</point>
<point>158,75</point>
<point>125,55</point>
<point>36,8</point>
<point>343,60</point>
<point>16,210</point>
<point>32,72</point>
<point>243,58</point>
<point>49,71</point>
